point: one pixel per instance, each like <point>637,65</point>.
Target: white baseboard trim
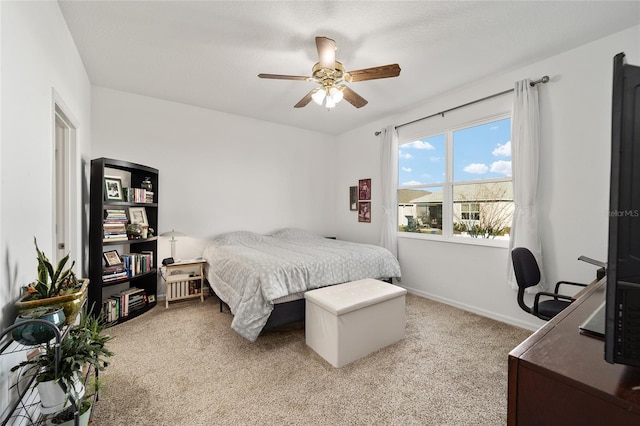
<point>502,318</point>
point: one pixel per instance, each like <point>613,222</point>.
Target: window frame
<point>448,184</point>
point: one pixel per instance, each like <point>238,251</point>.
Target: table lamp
<point>173,234</point>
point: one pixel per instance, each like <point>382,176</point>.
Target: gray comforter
<point>248,271</point>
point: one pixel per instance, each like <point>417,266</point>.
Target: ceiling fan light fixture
<point>330,75</point>
<point>329,102</point>
<point>336,94</point>
<point>318,96</point>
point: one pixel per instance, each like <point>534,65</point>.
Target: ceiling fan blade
<point>384,71</point>
<point>304,101</point>
<point>353,98</point>
<point>326,52</point>
<point>284,77</point>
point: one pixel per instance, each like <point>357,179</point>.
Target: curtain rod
<point>544,79</point>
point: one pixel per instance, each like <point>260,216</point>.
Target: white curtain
<point>525,135</point>
<point>388,235</point>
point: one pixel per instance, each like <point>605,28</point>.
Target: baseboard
<point>502,318</point>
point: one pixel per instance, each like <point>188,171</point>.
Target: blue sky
<point>479,152</point>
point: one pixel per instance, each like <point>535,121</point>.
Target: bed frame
<point>286,312</point>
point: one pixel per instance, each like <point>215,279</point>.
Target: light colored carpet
<point>185,366</point>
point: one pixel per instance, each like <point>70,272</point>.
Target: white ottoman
<point>348,321</point>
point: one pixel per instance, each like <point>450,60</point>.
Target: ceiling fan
<point>331,76</point>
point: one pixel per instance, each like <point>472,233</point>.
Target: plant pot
<point>54,399</point>
<point>71,303</point>
<point>34,333</point>
<point>83,420</point>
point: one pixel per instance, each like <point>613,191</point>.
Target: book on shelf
<point>107,278</point>
<point>138,263</point>
<point>124,303</point>
<point>137,195</point>
<point>114,226</point>
<point>115,215</point>
<point>112,238</point>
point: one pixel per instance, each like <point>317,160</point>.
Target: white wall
<point>218,172</point>
<point>38,57</point>
<point>573,186</point>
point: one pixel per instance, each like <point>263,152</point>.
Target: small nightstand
<point>185,280</point>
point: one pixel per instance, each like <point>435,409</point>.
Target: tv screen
<point>622,321</point>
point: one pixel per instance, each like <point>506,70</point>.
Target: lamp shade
<point>173,233</point>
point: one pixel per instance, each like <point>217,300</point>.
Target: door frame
<point>60,110</point>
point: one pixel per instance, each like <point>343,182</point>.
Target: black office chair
<point>527,275</point>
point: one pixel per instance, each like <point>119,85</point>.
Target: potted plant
<point>58,368</point>
<point>55,286</point>
<point>66,417</point>
<point>34,333</point>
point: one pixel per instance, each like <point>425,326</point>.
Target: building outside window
<point>458,182</point>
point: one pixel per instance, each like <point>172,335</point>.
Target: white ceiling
<point>208,53</point>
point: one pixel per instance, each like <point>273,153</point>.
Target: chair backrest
<point>527,273</point>
<point>525,267</point>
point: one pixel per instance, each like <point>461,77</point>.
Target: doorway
<point>65,182</point>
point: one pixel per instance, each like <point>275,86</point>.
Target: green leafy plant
<point>52,282</point>
<point>84,344</point>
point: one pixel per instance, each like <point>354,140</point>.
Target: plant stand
<point>24,403</point>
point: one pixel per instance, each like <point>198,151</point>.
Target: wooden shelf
<point>133,175</point>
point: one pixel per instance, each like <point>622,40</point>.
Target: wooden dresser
<point>559,376</point>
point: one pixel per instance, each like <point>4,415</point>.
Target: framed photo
<point>364,189</point>
<point>353,198</point>
<point>112,258</point>
<point>138,215</point>
<point>364,211</point>
<point>113,188</point>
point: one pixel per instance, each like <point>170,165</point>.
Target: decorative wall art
<point>353,198</point>
<point>364,211</point>
<point>138,216</point>
<point>113,188</point>
<point>112,258</point>
<point>364,189</point>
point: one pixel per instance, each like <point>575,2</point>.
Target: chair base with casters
<point>527,274</point>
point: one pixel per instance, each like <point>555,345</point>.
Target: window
<point>458,183</point>
<point>470,211</point>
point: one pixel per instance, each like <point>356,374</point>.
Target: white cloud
<point>503,150</point>
<point>411,182</point>
<point>404,156</point>
<point>502,167</point>
<point>435,159</point>
<point>420,145</point>
<point>407,169</point>
<point>476,168</point>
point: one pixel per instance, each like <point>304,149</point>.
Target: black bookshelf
<point>99,290</point>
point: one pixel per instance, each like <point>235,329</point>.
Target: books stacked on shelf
<point>114,273</point>
<point>114,225</point>
<point>138,263</point>
<point>137,195</point>
<point>124,303</point>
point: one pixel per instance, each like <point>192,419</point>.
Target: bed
<point>252,272</point>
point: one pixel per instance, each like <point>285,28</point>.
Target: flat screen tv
<point>622,312</point>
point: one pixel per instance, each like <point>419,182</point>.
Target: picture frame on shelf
<point>113,188</point>
<point>364,211</point>
<point>364,189</point>
<point>138,216</point>
<point>112,258</point>
<point>353,198</point>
